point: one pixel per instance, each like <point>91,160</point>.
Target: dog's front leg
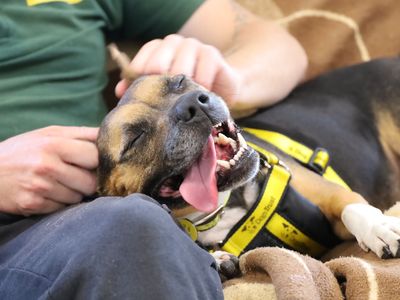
<point>349,212</point>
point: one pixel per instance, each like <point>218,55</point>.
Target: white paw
<point>373,230</point>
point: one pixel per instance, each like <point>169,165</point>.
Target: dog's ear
<point>106,162</point>
<point>106,165</point>
<point>123,61</point>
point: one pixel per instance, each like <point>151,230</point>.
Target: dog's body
<point>164,136</point>
<point>354,113</point>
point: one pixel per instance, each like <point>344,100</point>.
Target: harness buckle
<point>319,161</point>
<point>269,159</point>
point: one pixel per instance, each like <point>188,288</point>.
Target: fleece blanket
<point>277,273</point>
<point>346,272</point>
<point>336,33</point>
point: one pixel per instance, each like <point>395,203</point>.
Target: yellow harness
<point>317,159</point>
<point>271,195</point>
<point>267,223</point>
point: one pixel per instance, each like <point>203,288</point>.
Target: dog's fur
<point>162,124</point>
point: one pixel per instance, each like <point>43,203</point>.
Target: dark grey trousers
<point>110,248</point>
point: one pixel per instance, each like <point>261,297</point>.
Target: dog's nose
<point>191,105</point>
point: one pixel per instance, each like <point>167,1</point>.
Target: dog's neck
<point>241,200</point>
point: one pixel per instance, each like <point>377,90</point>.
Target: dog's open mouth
<point>222,154</point>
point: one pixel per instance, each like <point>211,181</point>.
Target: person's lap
<point>120,248</point>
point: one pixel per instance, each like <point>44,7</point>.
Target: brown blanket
<point>276,273</point>
<point>337,33</point>
<point>346,272</point>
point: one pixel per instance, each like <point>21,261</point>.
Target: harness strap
<point>246,230</point>
<point>291,235</point>
<point>274,220</point>
<point>318,160</point>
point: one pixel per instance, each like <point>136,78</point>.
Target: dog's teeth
<point>233,144</point>
<point>232,162</point>
<point>224,140</point>
<point>216,139</point>
<point>218,125</point>
<point>242,141</point>
<point>236,157</point>
<point>224,164</point>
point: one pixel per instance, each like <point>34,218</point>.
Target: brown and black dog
<point>175,141</point>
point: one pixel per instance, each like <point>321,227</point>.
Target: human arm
<point>249,61</point>
<point>46,169</point>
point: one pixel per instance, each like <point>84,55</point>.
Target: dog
<point>175,141</point>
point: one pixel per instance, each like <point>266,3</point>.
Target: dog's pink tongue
<point>199,188</point>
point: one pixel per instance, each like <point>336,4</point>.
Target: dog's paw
<point>373,230</point>
<point>228,265</point>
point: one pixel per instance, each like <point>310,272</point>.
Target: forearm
<point>270,63</point>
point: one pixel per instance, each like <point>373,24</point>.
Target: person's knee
<point>129,213</point>
<point>129,240</point>
<point>132,218</point>
<point>131,230</point>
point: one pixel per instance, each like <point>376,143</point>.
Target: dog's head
<point>173,140</point>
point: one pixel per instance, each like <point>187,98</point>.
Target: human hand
<point>175,55</point>
<point>44,170</point>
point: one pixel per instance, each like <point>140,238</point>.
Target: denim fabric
<point>110,248</point>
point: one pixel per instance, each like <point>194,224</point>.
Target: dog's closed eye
<point>133,134</point>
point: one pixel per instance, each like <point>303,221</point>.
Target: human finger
<point>73,132</point>
<point>209,63</point>
<point>139,62</point>
<point>185,58</point>
<point>62,194</point>
<point>227,84</point>
<point>77,152</point>
<point>121,88</point>
<point>163,56</point>
<point>51,206</point>
<point>78,179</point>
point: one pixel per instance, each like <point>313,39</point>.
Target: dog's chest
<point>241,200</point>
